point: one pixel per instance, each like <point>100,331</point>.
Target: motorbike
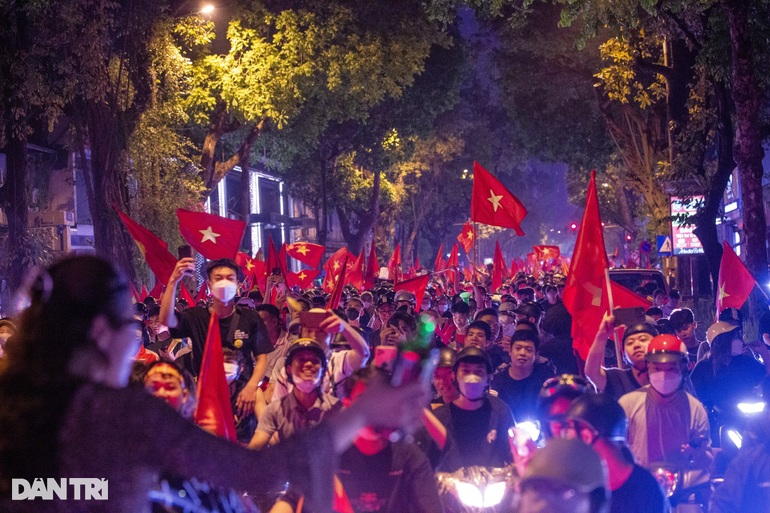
<point>479,490</point>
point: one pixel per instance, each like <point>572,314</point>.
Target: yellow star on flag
<point>495,200</point>
<point>249,265</point>
<point>337,265</point>
<point>470,233</point>
<point>302,249</point>
<point>209,234</point>
<point>302,276</point>
<point>722,293</point>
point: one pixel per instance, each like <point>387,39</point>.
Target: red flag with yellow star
<point>499,271</point>
<point>585,293</point>
<point>307,253</point>
<point>338,282</point>
<point>332,266</point>
<point>467,237</point>
<point>303,279</point>
<point>212,236</point>
<point>493,204</point>
<point>394,265</point>
<point>735,281</point>
<point>438,265</point>
<point>354,274</point>
<point>546,253</point>
<point>372,269</point>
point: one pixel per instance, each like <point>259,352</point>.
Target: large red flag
<point>493,204</point>
<point>354,274</point>
<point>498,268</point>
<point>546,253</point>
<point>154,250</point>
<point>157,290</point>
<point>338,281</point>
<point>305,252</point>
<point>212,236</point>
<point>303,279</point>
<point>372,269</point>
<point>735,281</point>
<point>438,265</point>
<point>585,293</point>
<point>467,237</point>
<point>416,286</point>
<point>394,265</point>
<point>625,298</point>
<point>214,412</point>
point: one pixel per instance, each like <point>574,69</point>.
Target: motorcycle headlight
<point>751,408</point>
<point>493,494</point>
<point>469,495</point>
<point>735,437</point>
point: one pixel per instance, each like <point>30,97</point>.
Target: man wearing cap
<point>616,381</point>
<point>565,476</point>
<point>443,379</point>
<point>477,423</point>
<point>600,422</point>
<point>519,385</point>
<point>306,405</point>
<point>668,425</point>
<point>530,311</point>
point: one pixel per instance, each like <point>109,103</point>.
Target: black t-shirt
<point>250,336</point>
<point>620,382</point>
<point>641,493</point>
<point>395,480</point>
<point>476,437</point>
<point>521,394</point>
<point>559,351</point>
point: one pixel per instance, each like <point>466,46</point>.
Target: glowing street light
<point>207,9</point>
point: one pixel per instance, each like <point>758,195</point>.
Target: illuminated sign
<point>685,241</point>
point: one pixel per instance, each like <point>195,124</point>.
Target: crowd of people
<point>94,386</point>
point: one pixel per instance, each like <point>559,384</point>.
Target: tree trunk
<point>323,231</point>
<point>108,175</point>
<point>366,221</point>
<point>747,98</point>
<point>15,202</point>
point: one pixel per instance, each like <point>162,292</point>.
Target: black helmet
<point>305,344</point>
<point>446,357</point>
<point>566,385</point>
<point>602,413</point>
<point>642,327</point>
<point>473,355</point>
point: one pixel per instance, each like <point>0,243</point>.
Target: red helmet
<point>666,348</point>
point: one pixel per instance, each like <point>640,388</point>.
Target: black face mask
<point>352,314</point>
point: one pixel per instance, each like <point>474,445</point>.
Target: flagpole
<point>618,347</point>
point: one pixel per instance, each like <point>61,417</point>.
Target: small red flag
<point>338,282</point>
<point>303,279</point>
<point>332,266</point>
<point>585,293</point>
<point>514,268</point>
<point>467,237</point>
<point>154,250</point>
<point>394,265</point>
<point>454,257</point>
<point>135,297</point>
<point>416,262</point>
<point>144,293</point>
<point>157,290</point>
<point>438,265</point>
<point>354,274</point>
<point>185,294</point>
<point>493,204</point>
<point>214,412</point>
<point>274,259</point>
<point>245,262</point>
<point>416,286</point>
<point>498,268</point>
<point>372,269</point>
<point>735,281</point>
<point>305,252</point>
<point>201,295</point>
<point>546,253</point>
<point>212,236</point>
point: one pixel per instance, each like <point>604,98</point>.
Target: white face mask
<point>665,382</point>
<point>306,385</point>
<point>472,387</point>
<point>223,290</point>
<point>232,371</point>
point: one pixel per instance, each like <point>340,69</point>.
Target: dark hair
<point>461,307</point>
<point>403,316</point>
<point>680,317</point>
<point>526,336</point>
<point>485,311</point>
<point>653,310</point>
<point>153,310</point>
<point>482,326</point>
<point>64,301</point>
<point>222,262</point>
<point>528,323</point>
<point>658,292</point>
<point>271,310</point>
<point>674,294</point>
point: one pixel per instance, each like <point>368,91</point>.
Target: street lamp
<point>207,9</point>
